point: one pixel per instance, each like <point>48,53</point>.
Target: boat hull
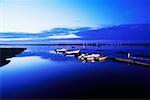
<point>72,52</point>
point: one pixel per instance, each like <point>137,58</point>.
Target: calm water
<point>38,72</point>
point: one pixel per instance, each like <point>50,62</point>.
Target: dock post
<point>129,55</point>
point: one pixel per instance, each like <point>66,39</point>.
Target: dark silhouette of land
<point>6,53</point>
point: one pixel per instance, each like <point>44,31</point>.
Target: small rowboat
<point>92,57</point>
<point>72,52</point>
<point>62,50</point>
<point>81,57</point>
<point>100,58</point>
<point>88,57</point>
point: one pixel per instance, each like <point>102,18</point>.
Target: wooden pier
<point>131,61</point>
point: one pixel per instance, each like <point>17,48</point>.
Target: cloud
<point>20,39</point>
<point>66,30</point>
<point>56,33</point>
<point>55,36</point>
<point>67,36</point>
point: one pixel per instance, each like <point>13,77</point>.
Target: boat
<point>92,55</point>
<point>61,50</point>
<point>72,52</point>
<point>100,58</point>
<point>81,56</point>
<point>88,57</point>
<point>91,59</point>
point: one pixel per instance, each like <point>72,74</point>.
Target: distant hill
<point>119,32</point>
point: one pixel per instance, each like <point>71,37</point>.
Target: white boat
<point>88,57</point>
<point>81,56</point>
<point>72,52</point>
<point>92,55</point>
<point>61,50</point>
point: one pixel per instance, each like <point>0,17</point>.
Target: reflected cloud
<point>50,55</point>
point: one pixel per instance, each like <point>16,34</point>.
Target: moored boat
<point>61,50</point>
<point>92,57</point>
<point>88,57</point>
<point>72,52</point>
<point>100,58</point>
<point>81,56</point>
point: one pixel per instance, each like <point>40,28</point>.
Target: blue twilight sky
<point>38,15</point>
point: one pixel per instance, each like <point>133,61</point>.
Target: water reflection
<point>49,55</point>
<point>40,72</point>
<point>122,52</point>
<point>6,53</point>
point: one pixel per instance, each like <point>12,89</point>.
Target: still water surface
<point>39,72</point>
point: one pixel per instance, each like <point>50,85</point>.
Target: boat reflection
<point>6,53</point>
